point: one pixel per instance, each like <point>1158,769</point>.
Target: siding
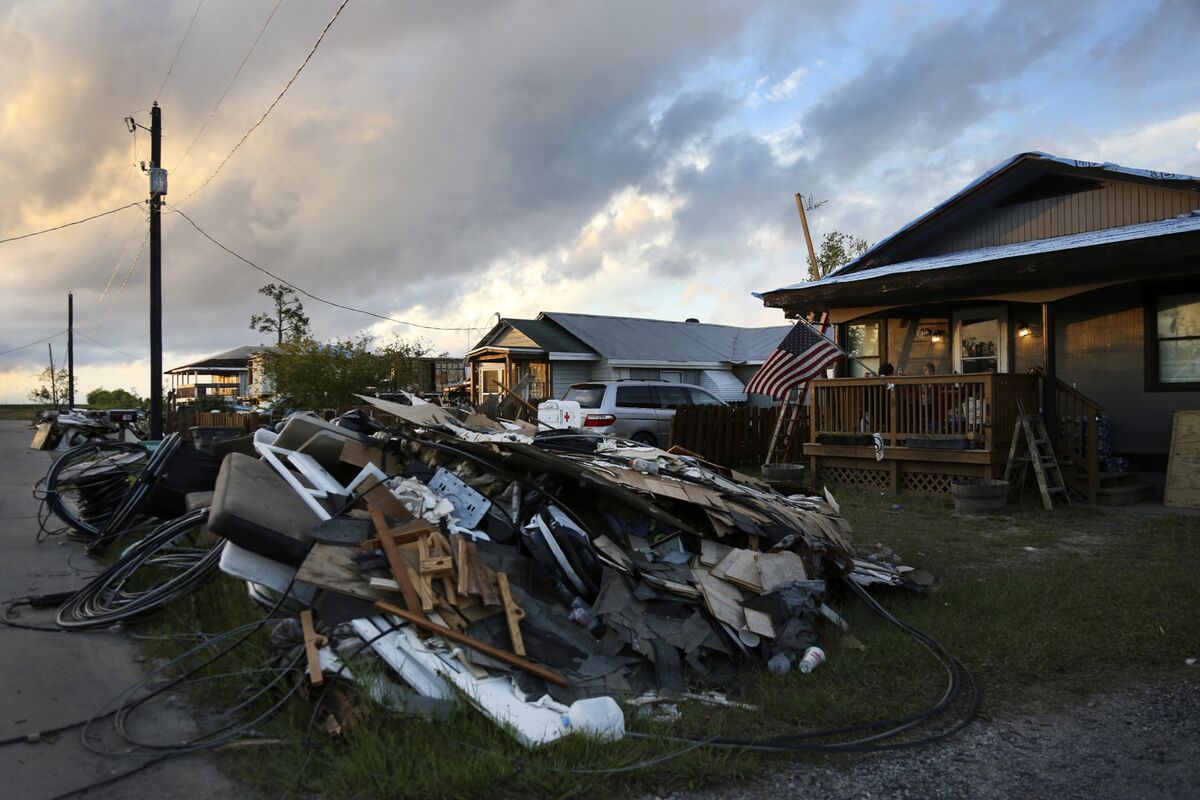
<point>514,338</point>
<point>1099,344</point>
<point>564,373</point>
<point>1115,204</point>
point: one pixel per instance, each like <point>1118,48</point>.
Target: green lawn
<point>1043,607</point>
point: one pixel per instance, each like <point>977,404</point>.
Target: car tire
<point>642,437</point>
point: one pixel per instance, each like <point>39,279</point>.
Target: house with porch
<point>557,349</point>
<point>1048,284</point>
<point>232,375</point>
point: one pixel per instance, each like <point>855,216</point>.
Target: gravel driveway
<point>1143,743</point>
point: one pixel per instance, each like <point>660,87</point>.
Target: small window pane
<point>1179,315</point>
<point>1179,361</point>
<point>703,398</point>
<point>859,370</point>
<point>672,396</point>
<point>864,340</point>
<point>636,397</point>
<point>587,396</point>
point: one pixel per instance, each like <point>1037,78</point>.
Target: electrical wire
<point>94,340</point>
<point>137,257</point>
<point>95,476</point>
<point>305,292</point>
<point>31,344</point>
<point>70,224</point>
<point>178,50</point>
<point>229,85</point>
<point>271,107</point>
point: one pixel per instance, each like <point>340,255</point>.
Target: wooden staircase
<point>1077,442</point>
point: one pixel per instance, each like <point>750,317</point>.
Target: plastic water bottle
<point>813,658</point>
<point>600,717</point>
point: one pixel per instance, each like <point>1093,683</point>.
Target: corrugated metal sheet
<point>724,385</point>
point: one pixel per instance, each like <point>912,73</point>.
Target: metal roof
<point>1146,230</point>
<point>658,341</point>
<point>230,359</point>
<point>1033,157</point>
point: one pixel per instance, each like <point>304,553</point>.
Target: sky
<point>441,163</point>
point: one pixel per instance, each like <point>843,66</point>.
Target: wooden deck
<point>935,429</point>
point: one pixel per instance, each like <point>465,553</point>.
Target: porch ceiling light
<point>1024,331</point>
<point>936,337</point>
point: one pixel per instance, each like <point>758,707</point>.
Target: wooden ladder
<point>1032,429</point>
<point>786,425</point>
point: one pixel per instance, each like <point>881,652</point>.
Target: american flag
<point>802,355</point>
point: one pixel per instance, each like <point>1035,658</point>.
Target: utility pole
<point>158,188</point>
<point>812,256</point>
<point>53,388</point>
<point>70,350</point>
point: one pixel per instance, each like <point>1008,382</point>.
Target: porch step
<point>1124,494</point>
<point>1128,477</point>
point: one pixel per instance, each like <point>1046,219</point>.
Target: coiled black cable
<point>86,485</point>
<point>109,598</point>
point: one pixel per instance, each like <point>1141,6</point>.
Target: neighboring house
<point>227,374</point>
<point>1085,272</point>
<point>557,350</point>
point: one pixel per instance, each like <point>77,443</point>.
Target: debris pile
<point>542,576</point>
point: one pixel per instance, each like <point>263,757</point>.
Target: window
<point>673,396</point>
<point>862,339</point>
<point>1175,361</point>
<point>587,395</point>
<point>636,397</point>
<point>671,377</point>
<point>490,378</point>
<point>539,388</point>
<point>703,398</point>
<point>980,340</point>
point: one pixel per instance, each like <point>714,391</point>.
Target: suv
<point>638,410</point>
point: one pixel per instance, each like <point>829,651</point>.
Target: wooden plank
<point>744,571</point>
<point>407,533</point>
<point>482,647</point>
<point>401,571</point>
<point>484,578</point>
<point>1182,488</point>
<point>312,643</point>
<point>513,613</point>
<point>759,623</point>
<point>383,498</point>
<point>462,564</point>
<point>723,600</point>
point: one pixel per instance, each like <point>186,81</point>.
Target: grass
<point>1044,608</point>
<point>22,411</point>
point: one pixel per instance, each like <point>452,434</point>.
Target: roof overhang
<point>1024,277</point>
<point>629,362</point>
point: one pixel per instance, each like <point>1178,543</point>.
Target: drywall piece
<point>759,623</point>
<point>712,552</point>
<point>723,600</point>
<point>776,569</point>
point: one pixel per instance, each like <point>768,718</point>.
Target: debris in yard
<point>538,575</point>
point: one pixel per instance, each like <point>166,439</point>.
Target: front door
<point>981,340</point>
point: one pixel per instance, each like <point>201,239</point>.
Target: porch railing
<point>1078,438</point>
<point>923,411</point>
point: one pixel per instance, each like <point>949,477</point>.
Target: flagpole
<point>844,352</point>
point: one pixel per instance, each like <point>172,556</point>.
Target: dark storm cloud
<point>941,81</point>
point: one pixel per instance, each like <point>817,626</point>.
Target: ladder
<point>786,425</point>
<point>1038,452</point>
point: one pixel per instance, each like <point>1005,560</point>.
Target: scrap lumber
<point>1182,488</point>
<point>777,569</point>
<point>759,623</point>
<point>407,533</point>
<point>400,568</point>
<point>382,498</point>
<point>513,613</point>
<point>482,647</point>
<point>312,643</point>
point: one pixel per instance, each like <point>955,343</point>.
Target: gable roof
<point>548,336</point>
<point>658,341</point>
<point>1005,183</point>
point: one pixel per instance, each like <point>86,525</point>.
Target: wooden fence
<point>184,419</point>
<point>731,435</point>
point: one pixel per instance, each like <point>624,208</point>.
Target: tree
<point>286,320</point>
<point>51,391</point>
<point>837,249</point>
<point>318,375</point>
<point>112,398</point>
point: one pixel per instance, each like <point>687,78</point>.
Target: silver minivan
<point>636,409</point>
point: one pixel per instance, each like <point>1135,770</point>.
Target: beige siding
<point>1115,204</point>
<point>1100,340</point>
<point>514,338</point>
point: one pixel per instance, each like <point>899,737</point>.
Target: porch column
<point>1049,373</point>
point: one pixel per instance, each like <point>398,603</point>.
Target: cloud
<point>788,86</point>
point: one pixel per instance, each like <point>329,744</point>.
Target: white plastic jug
<point>600,717</point>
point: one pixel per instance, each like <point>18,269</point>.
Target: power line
<point>229,86</point>
<point>178,50</point>
<point>69,224</point>
<point>94,340</point>
<point>271,107</point>
<point>124,283</point>
<point>31,344</point>
<point>305,292</point>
